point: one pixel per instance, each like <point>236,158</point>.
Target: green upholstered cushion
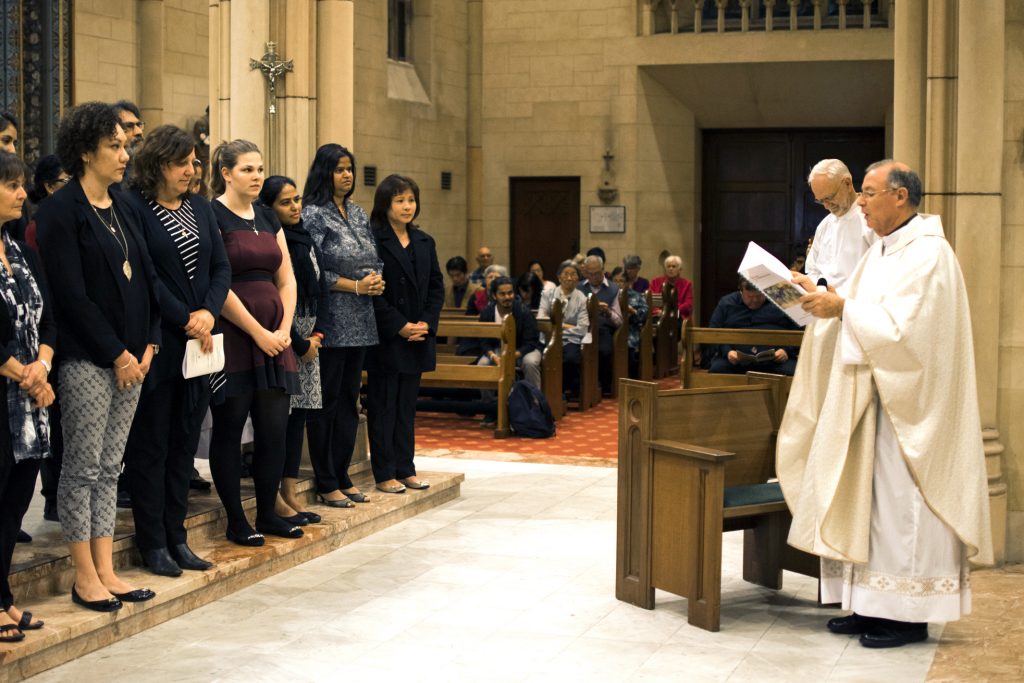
<point>753,494</point>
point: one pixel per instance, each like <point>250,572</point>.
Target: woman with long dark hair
<point>27,338</point>
<point>193,276</point>
<point>407,316</point>
<point>282,197</point>
<point>260,369</point>
<point>341,232</point>
<point>108,329</point>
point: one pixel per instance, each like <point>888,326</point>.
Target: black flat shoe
<point>50,511</point>
<point>894,634</point>
<point>26,623</point>
<point>137,595</point>
<point>108,605</point>
<point>252,540</point>
<point>298,519</point>
<point>16,638</point>
<point>23,537</point>
<point>279,528</point>
<point>851,624</point>
<point>160,562</point>
<point>197,483</point>
<point>340,503</point>
<point>311,517</point>
<point>187,559</point>
<point>357,497</point>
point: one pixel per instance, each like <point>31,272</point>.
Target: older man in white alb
<point>842,237</point>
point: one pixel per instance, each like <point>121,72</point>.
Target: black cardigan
<point>90,289</point>
<point>179,296</point>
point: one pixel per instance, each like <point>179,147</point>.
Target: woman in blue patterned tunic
<point>341,231</point>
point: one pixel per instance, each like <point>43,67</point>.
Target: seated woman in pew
<point>748,308</point>
<point>636,315</point>
<point>684,288</point>
<point>529,289</point>
<point>575,322</point>
<point>479,301</point>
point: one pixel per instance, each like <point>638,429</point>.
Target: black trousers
<point>49,470</point>
<point>391,413</point>
<point>159,455</point>
<point>17,481</point>
<point>332,429</point>
<point>572,358</point>
<point>293,441</point>
<point>605,357</point>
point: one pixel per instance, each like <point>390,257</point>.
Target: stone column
<point>294,29</point>
<point>978,167</point>
<point>474,144</point>
<point>940,111</point>
<point>335,79</point>
<point>249,26</point>
<point>151,61</point>
<point>910,78</point>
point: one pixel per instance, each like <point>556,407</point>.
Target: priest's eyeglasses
<point>871,194</point>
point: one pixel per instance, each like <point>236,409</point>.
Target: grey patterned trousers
<point>95,418</point>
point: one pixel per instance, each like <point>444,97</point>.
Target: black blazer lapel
<point>115,258</point>
<point>390,242</point>
<point>422,246</point>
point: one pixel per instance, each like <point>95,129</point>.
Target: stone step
<point>72,631</point>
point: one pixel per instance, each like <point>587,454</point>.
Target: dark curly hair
<point>166,144</point>
<point>81,131</point>
<point>48,170</point>
<point>226,156</point>
<point>389,188</point>
<point>11,167</point>
<point>319,188</point>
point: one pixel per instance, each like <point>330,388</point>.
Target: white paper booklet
<point>774,279</point>
<point>196,363</point>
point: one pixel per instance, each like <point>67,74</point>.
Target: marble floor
<point>513,581</point>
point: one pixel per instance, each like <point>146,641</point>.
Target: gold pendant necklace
<point>119,237</point>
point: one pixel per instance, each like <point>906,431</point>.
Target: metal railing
<point>727,16</point>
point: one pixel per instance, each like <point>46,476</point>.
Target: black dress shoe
<point>311,517</point>
<point>197,483</point>
<point>50,510</point>
<point>23,537</point>
<point>160,562</point>
<point>851,624</point>
<point>888,633</point>
<point>187,559</point>
<point>124,499</point>
<point>279,527</point>
<point>137,595</point>
<point>298,519</point>
<point>108,605</point>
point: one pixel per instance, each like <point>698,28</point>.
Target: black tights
<point>269,410</point>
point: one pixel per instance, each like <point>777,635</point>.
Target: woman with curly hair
<point>108,330</point>
<point>193,276</point>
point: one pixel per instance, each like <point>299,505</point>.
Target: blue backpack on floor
<point>529,414</point>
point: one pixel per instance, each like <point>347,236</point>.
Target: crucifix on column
<point>272,69</point>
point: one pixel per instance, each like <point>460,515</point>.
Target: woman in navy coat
<point>407,315</point>
<point>193,276</point>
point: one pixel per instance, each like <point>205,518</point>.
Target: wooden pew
<point>693,463</point>
<point>620,345</point>
<point>693,337</point>
<point>646,347</point>
<point>551,366</point>
<point>462,373</point>
<point>590,384</point>
<point>666,334</point>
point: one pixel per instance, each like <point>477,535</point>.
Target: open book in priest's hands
<point>774,280</point>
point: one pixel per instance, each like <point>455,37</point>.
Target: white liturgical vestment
<point>880,452</point>
<point>839,243</point>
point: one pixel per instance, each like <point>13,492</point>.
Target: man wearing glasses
<point>880,451</point>
<point>842,237</point>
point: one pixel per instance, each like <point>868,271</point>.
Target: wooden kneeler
<point>694,463</point>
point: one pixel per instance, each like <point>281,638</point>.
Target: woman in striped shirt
<point>192,277</point>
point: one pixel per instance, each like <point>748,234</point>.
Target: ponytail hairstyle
<point>226,156</point>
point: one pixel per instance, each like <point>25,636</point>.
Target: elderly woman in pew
<point>407,316</point>
<point>27,339</point>
<point>575,322</point>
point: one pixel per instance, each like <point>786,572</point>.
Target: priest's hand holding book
<point>821,302</point>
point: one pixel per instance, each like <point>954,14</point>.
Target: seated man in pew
<point>575,322</point>
<point>460,289</point>
<point>609,320</point>
<point>749,309</point>
<point>528,346</point>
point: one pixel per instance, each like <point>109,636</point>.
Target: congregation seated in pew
<point>748,308</point>
<point>461,289</point>
<point>575,322</point>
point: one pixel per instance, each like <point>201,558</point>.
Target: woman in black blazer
<point>108,330</point>
<point>193,276</point>
<point>407,315</point>
<point>27,338</point>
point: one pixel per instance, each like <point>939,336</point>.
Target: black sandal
<point>26,623</point>
<point>340,503</point>
<point>4,638</point>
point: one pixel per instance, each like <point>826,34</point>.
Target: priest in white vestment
<point>880,453</point>
<point>842,237</point>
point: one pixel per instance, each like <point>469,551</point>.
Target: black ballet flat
<point>108,605</point>
<point>137,595</point>
<point>252,540</point>
<point>298,519</point>
<point>311,517</point>
<point>283,530</point>
<point>340,503</point>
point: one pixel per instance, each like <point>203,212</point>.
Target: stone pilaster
<point>151,61</point>
<point>474,144</point>
<point>335,75</point>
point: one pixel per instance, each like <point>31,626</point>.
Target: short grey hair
<point>900,175</point>
<point>567,264</point>
<point>495,268</point>
<point>631,261</point>
<point>830,168</point>
<point>594,260</point>
<point>674,259</point>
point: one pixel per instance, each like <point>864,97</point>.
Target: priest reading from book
<point>880,452</point>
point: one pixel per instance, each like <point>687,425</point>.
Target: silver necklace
<point>115,229</point>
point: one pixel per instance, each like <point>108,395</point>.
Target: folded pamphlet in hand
<point>774,280</point>
<point>766,356</point>
<point>196,363</point>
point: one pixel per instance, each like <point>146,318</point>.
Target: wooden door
<point>544,222</point>
<point>755,189</point>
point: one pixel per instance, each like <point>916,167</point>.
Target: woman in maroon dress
<point>260,371</point>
